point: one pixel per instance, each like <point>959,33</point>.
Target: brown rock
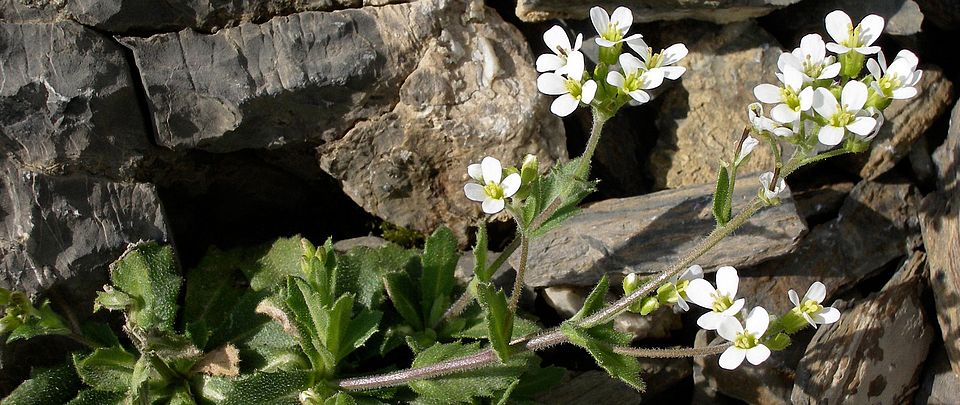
<point>704,113</point>
<point>940,222</point>
<point>721,11</point>
<point>875,226</point>
<point>941,385</point>
<point>820,201</point>
<point>907,121</point>
<point>947,157</point>
<point>647,233</point>
<point>875,353</point>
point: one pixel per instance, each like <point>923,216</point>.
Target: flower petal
<point>732,358</point>
<point>629,63</point>
<point>867,50</point>
<point>870,28</point>
<point>830,135</point>
<point>874,68</point>
<point>587,92</point>
<point>735,308</point>
<point>674,53</point>
<point>767,93</point>
<point>604,42</point>
<point>652,78</point>
<point>548,62</point>
<point>692,273</point>
<point>600,19</point>
<point>564,105</point>
<point>475,172</point>
<point>853,95</point>
<point>793,79</point>
<point>556,39</point>
<point>904,93</point>
<point>838,24</point>
<point>640,47</point>
<point>784,114</point>
<point>794,298</point>
<point>806,98</point>
<point>829,72</point>
<point>639,95</point>
<point>788,61</point>
<point>492,170</point>
<point>816,292</point>
<point>757,321</point>
<point>615,78</point>
<point>758,354</point>
<point>622,17</point>
<point>474,192</point>
<point>812,45</point>
<point>862,126</point>
<point>492,206</point>
<point>682,304</point>
<point>552,84</point>
<point>727,281</point>
<point>510,185</point>
<point>578,42</point>
<point>711,320</point>
<point>574,68</point>
<point>729,329</point>
<point>673,72</point>
<point>825,103</point>
<point>827,316</point>
<point>701,292</point>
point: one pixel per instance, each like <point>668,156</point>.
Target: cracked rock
<point>718,11</point>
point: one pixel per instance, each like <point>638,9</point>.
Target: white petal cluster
<point>746,340</point>
<point>810,307</point>
<point>824,96</point>
<point>491,188</point>
<point>721,301</point>
<point>569,85</point>
<point>612,29</point>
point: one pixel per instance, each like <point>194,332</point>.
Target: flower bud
<point>648,305</point>
<point>668,294</point>
<point>529,169</point>
<point>630,283</point>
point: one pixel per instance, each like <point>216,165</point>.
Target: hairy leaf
<point>537,380</point>
<point>240,321</point>
<point>594,301</point>
<point>270,349</point>
<point>439,259</point>
<point>360,269</point>
<point>401,290</point>
<point>269,265</point>
<point>466,386</point>
<point>521,328</point>
<point>106,369</point>
<point>723,197</point>
<point>561,188</point>
<point>147,272</point>
<point>363,325</point>
<point>46,322</point>
<point>626,368</point>
<point>99,333</point>
<point>94,397</point>
<point>499,319</point>
<point>480,269</point>
<point>52,386</point>
<point>213,288</point>
<point>298,300</point>
<point>282,387</point>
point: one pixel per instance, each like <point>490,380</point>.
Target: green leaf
<point>106,369</point>
<point>298,299</point>
<point>360,269</point>
<point>505,397</point>
<point>499,319</point>
<point>561,187</point>
<point>521,328</point>
<point>46,322</point>
<point>439,260</point>
<point>213,288</point>
<point>99,333</point>
<point>723,197</point>
<point>594,301</point>
<point>363,325</point>
<point>282,387</point>
<point>333,325</point>
<point>139,392</point>
<point>480,269</point>
<point>94,397</point>
<point>147,272</point>
<point>52,386</point>
<point>270,349</point>
<point>270,264</point>
<point>464,387</point>
<point>240,321</point>
<point>626,368</point>
<point>340,399</point>
<point>401,290</point>
<point>537,380</point>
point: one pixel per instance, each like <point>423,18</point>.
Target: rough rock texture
<point>876,224</point>
<point>703,114</point>
<point>120,16</point>
<point>401,98</point>
<point>75,111</point>
<point>596,387</point>
<point>875,353</point>
<point>822,201</point>
<point>67,229</point>
<point>941,385</point>
<point>940,222</point>
<point>906,121</point>
<point>947,157</point>
<point>720,11</point>
<point>568,300</point>
<point>646,233</point>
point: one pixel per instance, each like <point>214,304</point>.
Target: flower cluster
<point>753,335</point>
<point>824,98</point>
<point>617,79</point>
<point>493,184</point>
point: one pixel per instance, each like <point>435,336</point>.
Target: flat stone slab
<point>647,233</point>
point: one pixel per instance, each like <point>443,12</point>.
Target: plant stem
<point>671,353</point>
<point>599,118</point>
<point>521,271</point>
<point>461,303</point>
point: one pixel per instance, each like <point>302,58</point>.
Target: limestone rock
<point>875,353</point>
<point>77,111</point>
<point>906,121</point>
<point>68,229</point>
<point>568,300</point>
<point>940,222</point>
<point>721,12</point>
<point>947,156</point>
<point>703,114</point>
<point>649,232</point>
<point>400,98</point>
<point>874,226</point>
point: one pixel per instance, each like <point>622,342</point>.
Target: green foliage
<point>562,188</point>
<point>147,274</point>
<point>401,236</point>
<point>463,387</point>
<point>439,262</point>
<point>499,319</point>
<point>39,322</point>
<point>107,369</point>
<point>53,386</point>
<point>723,196</point>
<point>480,270</point>
<point>282,387</point>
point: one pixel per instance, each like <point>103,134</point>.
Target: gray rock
<point>568,300</point>
<point>67,101</point>
<point>647,233</point>
<point>702,115</point>
<point>947,156</point>
<point>875,225</point>
<point>66,230</point>
<point>940,223</point>
<point>122,16</point>
<point>941,386</point>
<point>596,387</point>
<point>721,11</point>
<point>821,201</point>
<point>400,98</point>
<point>875,353</point>
<point>906,122</point>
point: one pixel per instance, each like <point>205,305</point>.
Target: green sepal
<point>779,341</point>
<point>499,319</point>
<point>648,305</point>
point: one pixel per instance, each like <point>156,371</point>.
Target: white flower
<point>571,89</point>
<point>793,97</point>
<point>663,60</point>
<point>636,79</point>
<point>558,42</point>
<point>765,180</point>
<point>850,38</point>
<point>745,148</point>
<point>682,281</point>
<point>490,190</point>
<point>809,307</point>
<point>810,59</point>
<point>761,123</point>
<point>844,115</point>
<point>897,80</point>
<point>746,341</point>
<point>613,28</point>
<point>719,300</point>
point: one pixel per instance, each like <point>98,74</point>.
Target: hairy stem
<point>521,271</point>
<point>599,119</point>
<point>671,353</point>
